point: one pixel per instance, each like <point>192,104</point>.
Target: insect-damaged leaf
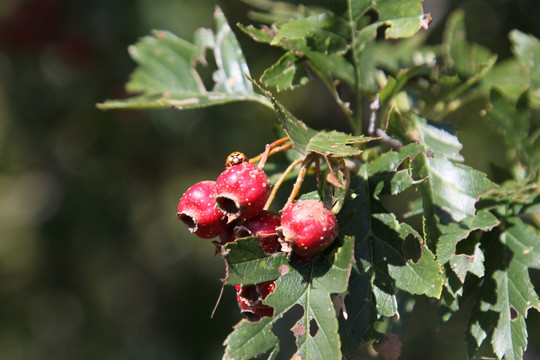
<point>507,292</point>
<point>391,174</point>
<point>310,285</point>
<point>381,266</point>
<point>167,76</point>
<point>450,189</point>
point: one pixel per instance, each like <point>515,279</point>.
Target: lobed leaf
<point>336,144</point>
<point>400,18</point>
<point>383,265</point>
<point>451,189</point>
<point>310,285</point>
<point>288,73</point>
<point>450,192</point>
<point>507,292</point>
<point>167,76</point>
<point>306,139</point>
<point>454,232</point>
<point>384,176</point>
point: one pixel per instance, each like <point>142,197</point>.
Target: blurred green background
<point>93,262</point>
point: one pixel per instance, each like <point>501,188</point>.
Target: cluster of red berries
<point>233,207</point>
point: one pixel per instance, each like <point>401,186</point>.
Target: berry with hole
<point>264,227</point>
<point>266,288</point>
<point>242,191</point>
<point>307,228</point>
<point>197,209</point>
<point>250,297</point>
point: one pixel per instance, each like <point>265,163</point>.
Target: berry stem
<point>280,181</point>
<point>271,149</point>
<point>306,163</point>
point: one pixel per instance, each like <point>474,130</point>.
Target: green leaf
<point>512,121</point>
<point>451,189</point>
<point>306,139</point>
<point>248,264</point>
<point>454,232</point>
<point>167,76</point>
<point>288,73</point>
<point>507,292</point>
<point>318,38</point>
<point>336,144</point>
<point>382,266</point>
<point>418,276</point>
<point>278,11</point>
<point>510,76</point>
<point>310,285</point>
<point>512,197</point>
<point>403,18</point>
<point>393,98</point>
<point>458,53</point>
<point>299,133</point>
<point>384,176</point>
<point>450,192</point>
<point>527,50</point>
<point>463,264</point>
<point>318,33</point>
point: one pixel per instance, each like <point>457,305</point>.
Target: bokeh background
<point>93,262</point>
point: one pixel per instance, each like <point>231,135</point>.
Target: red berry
<point>264,227</point>
<point>249,298</point>
<point>229,235</point>
<point>266,288</point>
<point>307,228</point>
<point>242,191</point>
<point>197,209</point>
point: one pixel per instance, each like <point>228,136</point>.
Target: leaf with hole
<point>507,293</point>
<point>309,285</point>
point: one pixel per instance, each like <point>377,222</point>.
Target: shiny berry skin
<point>264,227</point>
<point>307,228</point>
<point>242,191</point>
<point>266,288</point>
<point>197,209</point>
<point>249,298</point>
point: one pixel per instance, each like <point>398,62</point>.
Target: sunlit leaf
<point>167,77</point>
<point>450,191</point>
<point>386,178</point>
<point>248,264</point>
<point>452,188</point>
<point>337,144</point>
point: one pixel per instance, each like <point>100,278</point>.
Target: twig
<point>299,180</point>
<point>280,181</point>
